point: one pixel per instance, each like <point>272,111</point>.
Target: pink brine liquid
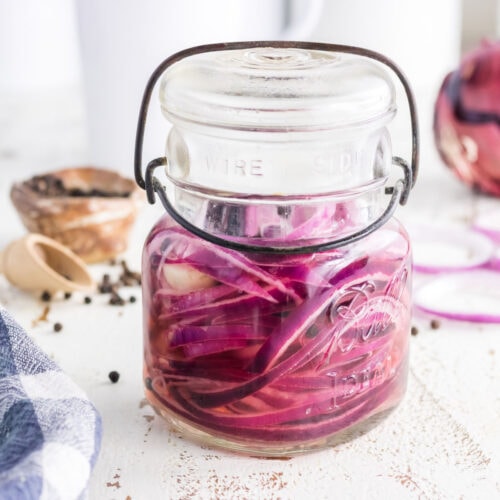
<point>275,355</point>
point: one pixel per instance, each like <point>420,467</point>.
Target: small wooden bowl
<point>89,210</point>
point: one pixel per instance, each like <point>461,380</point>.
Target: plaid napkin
<point>50,433</point>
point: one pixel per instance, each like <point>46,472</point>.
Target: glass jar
<point>276,288</point>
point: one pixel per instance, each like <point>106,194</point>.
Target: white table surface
<point>442,442</point>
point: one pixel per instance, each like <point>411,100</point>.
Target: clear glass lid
<point>278,89</point>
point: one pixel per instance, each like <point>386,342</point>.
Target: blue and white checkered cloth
<point>50,432</point>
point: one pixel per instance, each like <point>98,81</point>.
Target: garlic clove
<point>184,278</point>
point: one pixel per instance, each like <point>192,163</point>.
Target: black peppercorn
<point>414,330</point>
<point>57,327</point>
<point>284,210</point>
<point>114,376</point>
<point>312,331</point>
<point>106,286</point>
<point>87,300</point>
<point>435,324</point>
<point>116,300</point>
<point>46,296</point>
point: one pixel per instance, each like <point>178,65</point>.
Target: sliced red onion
<point>488,223</point>
<point>494,263</point>
<point>196,349</point>
<point>220,257</point>
<point>288,331</point>
<point>181,302</point>
<point>328,349</point>
<point>438,250</point>
<point>241,305</point>
<point>189,334</point>
<point>466,296</point>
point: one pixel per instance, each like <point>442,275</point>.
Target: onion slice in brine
<point>437,250</point>
<point>466,296</point>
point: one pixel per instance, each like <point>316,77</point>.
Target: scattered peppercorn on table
<point>442,441</point>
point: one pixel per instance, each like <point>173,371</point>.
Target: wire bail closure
<point>399,192</point>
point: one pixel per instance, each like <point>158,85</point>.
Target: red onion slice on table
<point>466,296</point>
<point>437,250</point>
<point>488,223</point>
<point>494,263</point>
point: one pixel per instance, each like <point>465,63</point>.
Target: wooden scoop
<point>38,263</point>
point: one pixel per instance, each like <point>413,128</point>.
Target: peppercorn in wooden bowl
<point>89,210</point>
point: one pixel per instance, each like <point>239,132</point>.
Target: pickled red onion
<point>310,345</point>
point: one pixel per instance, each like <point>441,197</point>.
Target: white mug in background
<point>423,38</point>
<point>38,45</point>
<point>123,41</point>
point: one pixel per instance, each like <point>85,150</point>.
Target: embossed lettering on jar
<point>260,335</point>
